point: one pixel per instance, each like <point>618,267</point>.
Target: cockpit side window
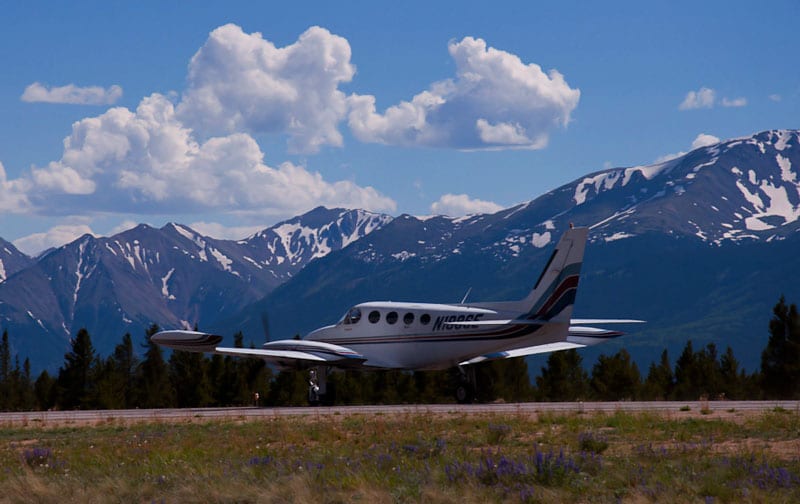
<point>352,317</point>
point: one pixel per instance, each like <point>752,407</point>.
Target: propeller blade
<point>265,326</point>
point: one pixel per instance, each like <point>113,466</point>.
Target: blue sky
<point>230,118</point>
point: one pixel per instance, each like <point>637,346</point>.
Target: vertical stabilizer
<point>553,295</point>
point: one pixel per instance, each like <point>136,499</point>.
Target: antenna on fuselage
<point>466,295</point>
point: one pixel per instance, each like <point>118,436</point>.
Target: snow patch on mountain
<point>787,175</point>
<point>404,255</point>
<point>618,236</point>
<point>604,180</point>
<point>541,240</point>
<point>165,285</point>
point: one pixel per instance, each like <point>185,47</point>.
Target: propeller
<point>265,326</point>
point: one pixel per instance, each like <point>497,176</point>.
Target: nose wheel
<point>318,392</point>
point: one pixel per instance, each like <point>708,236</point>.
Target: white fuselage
<point>430,336</point>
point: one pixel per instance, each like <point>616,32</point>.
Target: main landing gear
<point>319,392</point>
<point>466,386</point>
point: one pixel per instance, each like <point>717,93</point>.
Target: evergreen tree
<point>124,364</point>
<point>188,373</point>
<point>780,360</point>
<point>616,378</point>
<point>25,399</point>
<point>241,370</point>
<point>116,377</point>
<point>659,382</point>
<point>505,379</point>
<point>289,388</point>
<point>76,388</point>
<point>732,382</point>
<point>697,374</point>
<point>563,378</point>
<point>225,379</point>
<point>45,390</point>
<point>152,376</point>
<point>5,373</point>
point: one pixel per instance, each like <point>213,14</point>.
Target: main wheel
<point>313,396</point>
<point>464,393</point>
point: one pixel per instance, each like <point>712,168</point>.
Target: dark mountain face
<point>11,260</point>
<point>701,246</point>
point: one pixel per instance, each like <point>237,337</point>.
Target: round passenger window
<point>354,316</point>
<point>425,319</point>
<point>391,317</point>
<point>374,316</point>
<point>408,318</point>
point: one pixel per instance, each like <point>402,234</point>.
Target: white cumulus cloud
<point>701,140</point>
<point>242,82</point>
<point>494,101</point>
<point>735,102</point>
<point>704,140</point>
<point>702,98</point>
<point>456,205</point>
<point>707,98</point>
<point>12,193</point>
<point>54,237</point>
<point>72,94</point>
<point>223,232</point>
<point>147,161</point>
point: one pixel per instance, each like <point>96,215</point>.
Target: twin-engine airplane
<point>426,336</point>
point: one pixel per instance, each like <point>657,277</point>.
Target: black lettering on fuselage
<point>444,322</point>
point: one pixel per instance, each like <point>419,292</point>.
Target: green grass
<point>410,458</point>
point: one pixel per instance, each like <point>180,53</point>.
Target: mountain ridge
<point>738,193</point>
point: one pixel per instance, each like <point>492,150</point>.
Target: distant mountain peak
<point>734,190</point>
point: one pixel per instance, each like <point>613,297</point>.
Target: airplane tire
<point>464,394</point>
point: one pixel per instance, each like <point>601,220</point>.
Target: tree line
<point>123,380</point>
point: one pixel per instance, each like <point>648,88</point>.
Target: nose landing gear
<point>318,390</point>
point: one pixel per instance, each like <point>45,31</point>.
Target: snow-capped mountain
<point>11,260</point>
<point>737,190</point>
<point>286,248</point>
<point>173,276</point>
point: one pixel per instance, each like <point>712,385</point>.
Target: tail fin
<point>553,296</point>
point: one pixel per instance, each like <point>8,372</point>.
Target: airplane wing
<point>283,353</point>
<point>578,337</point>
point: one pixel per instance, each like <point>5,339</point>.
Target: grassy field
<point>632,457</point>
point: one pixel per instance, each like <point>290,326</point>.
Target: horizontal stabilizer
<point>578,337</point>
<point>606,321</point>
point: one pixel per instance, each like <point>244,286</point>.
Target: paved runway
<point>45,418</point>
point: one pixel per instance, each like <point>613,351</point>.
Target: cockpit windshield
<point>351,317</point>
